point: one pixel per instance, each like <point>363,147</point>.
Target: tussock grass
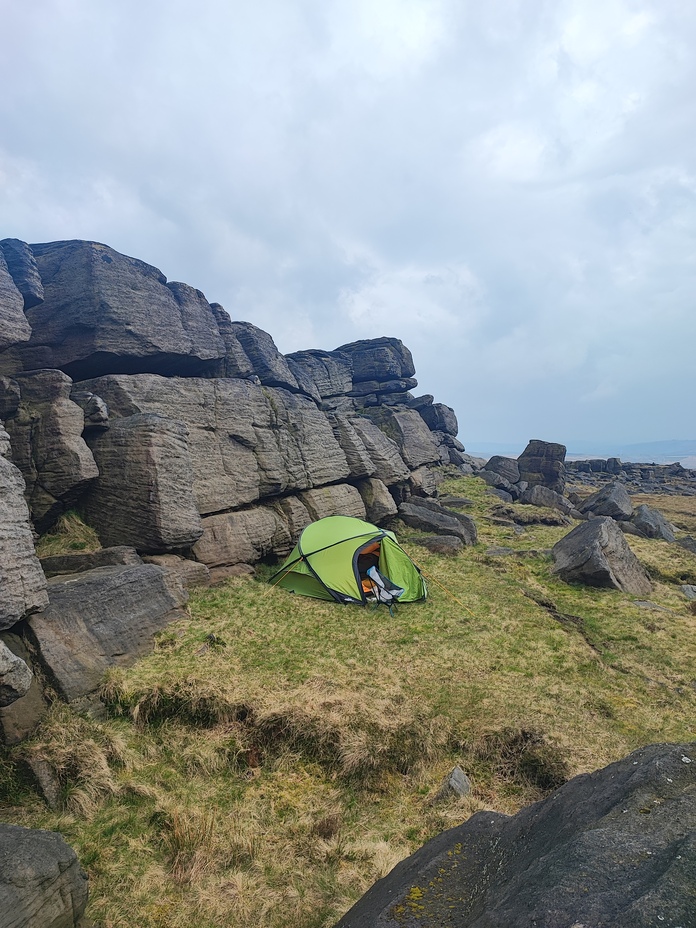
<point>70,535</point>
<point>276,755</point>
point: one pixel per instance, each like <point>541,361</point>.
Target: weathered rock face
<point>612,500</point>
<point>543,462</point>
<point>242,537</point>
<point>651,523</point>
<point>412,436</point>
<point>100,618</point>
<point>596,553</point>
<point>379,503</point>
<point>14,326</point>
<point>143,496</point>
<point>47,445</point>
<point>359,461</point>
<point>587,855</point>
<point>389,466</point>
<point>380,359</point>
<point>268,363</point>
<point>41,882</point>
<point>322,374</point>
<point>104,311</point>
<point>236,362</point>
<point>15,676</point>
<point>22,267</point>
<point>246,442</point>
<point>22,583</point>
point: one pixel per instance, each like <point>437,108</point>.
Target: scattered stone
<point>597,554</point>
<point>539,495</point>
<point>42,884</point>
<point>15,676</point>
<point>652,523</point>
<point>448,545</point>
<point>612,500</point>
<point>429,516</point>
<point>689,590</point>
<point>499,551</point>
<point>46,780</point>
<point>455,785</point>
<point>502,494</point>
<point>688,542</point>
<point>610,847</point>
<point>456,502</point>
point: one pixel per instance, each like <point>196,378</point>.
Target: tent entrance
<point>364,558</point>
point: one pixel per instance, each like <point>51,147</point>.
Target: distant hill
<point>659,452</point>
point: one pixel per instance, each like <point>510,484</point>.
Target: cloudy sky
<point>508,186</point>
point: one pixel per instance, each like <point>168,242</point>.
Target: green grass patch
<point>275,755</point>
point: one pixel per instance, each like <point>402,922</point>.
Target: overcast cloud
<point>509,187</point>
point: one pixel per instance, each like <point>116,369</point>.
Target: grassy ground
<point>275,755</point>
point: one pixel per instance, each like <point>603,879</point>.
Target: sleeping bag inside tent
<point>350,561</point>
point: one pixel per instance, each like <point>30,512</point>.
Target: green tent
<point>333,555</point>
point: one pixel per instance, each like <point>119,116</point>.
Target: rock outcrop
<point>42,884</point>
<point>596,553</point>
<point>614,847</point>
<point>14,326</point>
<point>22,583</point>
<point>543,462</point>
<point>15,676</point>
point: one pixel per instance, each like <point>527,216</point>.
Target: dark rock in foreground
<point>612,848</point>
<point>41,882</point>
<point>596,553</point>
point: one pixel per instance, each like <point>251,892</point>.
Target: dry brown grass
<point>70,535</point>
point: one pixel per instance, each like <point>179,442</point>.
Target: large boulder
<point>143,496</point>
<point>42,884</point>
<point>543,462</point>
<point>429,516</point>
<point>440,418</point>
<point>611,848</point>
<point>651,523</point>
<point>22,267</point>
<point>105,312</point>
<point>340,500</point>
<point>596,553</point>
<point>326,373</point>
<point>379,503</point>
<point>612,500</point>
<point>14,326</point>
<point>22,583</point>
<point>101,618</point>
<point>269,364</point>
<point>407,428</point>
<point>242,537</point>
<point>246,441</point>
<point>15,676</point>
<point>55,565</point>
<point>48,447</point>
<point>505,467</point>
<point>380,359</point>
